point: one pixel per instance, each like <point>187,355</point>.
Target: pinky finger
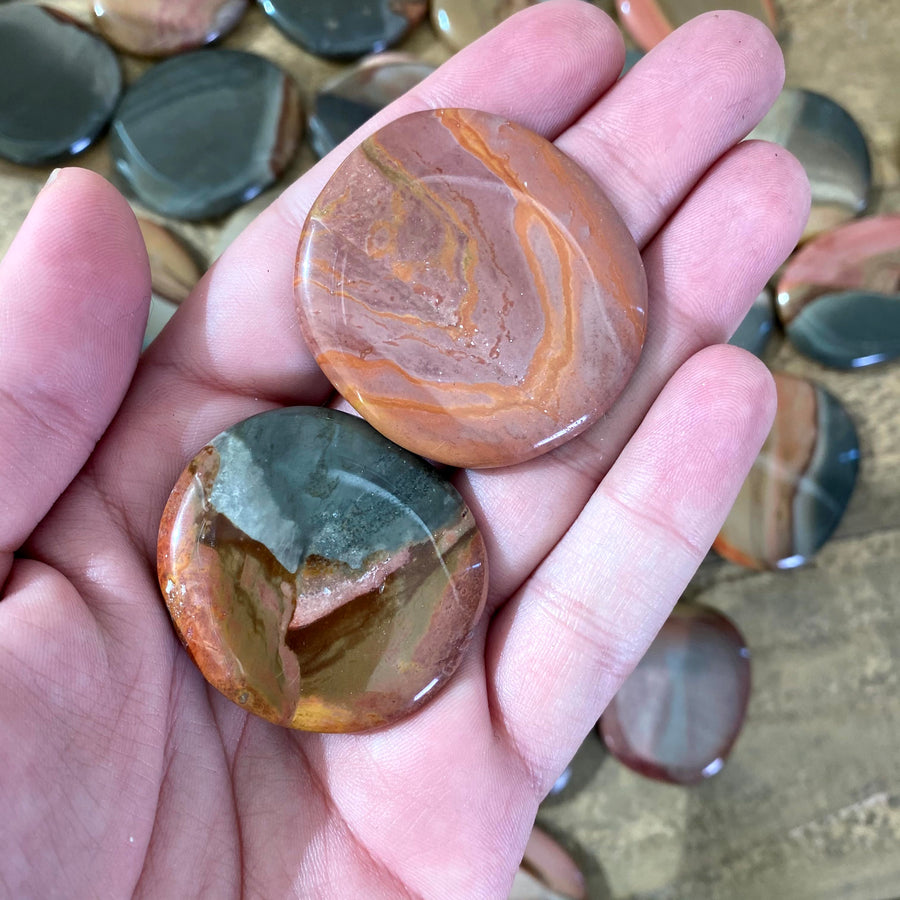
<point>559,651</point>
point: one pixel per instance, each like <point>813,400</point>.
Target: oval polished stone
<point>173,274</point>
<point>201,133</point>
<point>758,328</point>
<point>649,21</point>
<point>469,289</point>
<point>849,330</point>
<point>679,713</point>
<point>59,85</point>
<point>799,485</point>
<point>547,871</point>
<point>830,147</point>
<point>353,97</point>
<point>459,22</point>
<point>345,29</point>
<point>859,256</point>
<point>162,27</point>
<point>319,576</point>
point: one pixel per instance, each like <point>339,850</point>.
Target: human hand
<point>122,771</point>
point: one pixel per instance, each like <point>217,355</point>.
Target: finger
<point>701,279</point>
<point>649,139</point>
<point>74,290</point>
<point>574,53</point>
<point>559,651</point>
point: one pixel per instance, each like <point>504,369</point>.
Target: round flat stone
<point>679,713</point>
<point>173,274</point>
<point>459,22</point>
<point>353,97</point>
<point>649,21</point>
<point>799,485</point>
<point>201,133</point>
<point>59,85</point>
<point>758,328</point>
<point>859,256</point>
<point>831,148</point>
<point>320,577</point>
<point>469,289</point>
<point>162,27</point>
<point>346,29</point>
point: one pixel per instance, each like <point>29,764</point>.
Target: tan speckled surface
<point>809,805</point>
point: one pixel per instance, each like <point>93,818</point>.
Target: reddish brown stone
<point>469,289</point>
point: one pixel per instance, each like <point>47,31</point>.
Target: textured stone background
<point>809,804</point>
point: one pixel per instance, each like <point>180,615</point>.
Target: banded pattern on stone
<point>799,485</point>
<point>469,289</point>
<point>320,577</point>
<point>679,713</point>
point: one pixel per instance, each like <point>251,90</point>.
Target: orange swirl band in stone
<point>469,289</point>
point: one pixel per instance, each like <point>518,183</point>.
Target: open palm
<point>121,771</point>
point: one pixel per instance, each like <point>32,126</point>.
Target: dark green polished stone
<point>351,99</point>
<point>320,576</point>
<point>345,29</point>
<point>201,133</point>
<point>59,85</point>
<point>848,330</point>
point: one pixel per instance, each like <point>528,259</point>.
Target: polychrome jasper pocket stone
<point>320,576</point>
<point>469,289</point>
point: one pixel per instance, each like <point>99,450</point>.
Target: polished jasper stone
<point>839,296</point>
<point>678,714</point>
<point>354,96</point>
<point>848,330</point>
<point>59,85</point>
<point>831,148</point>
<point>758,328</point>
<point>320,577</point>
<point>161,27</point>
<point>469,289</point>
<point>799,485</point>
<point>649,21</point>
<point>547,871</point>
<point>173,274</point>
<point>345,29</point>
<point>459,22</point>
<point>201,133</point>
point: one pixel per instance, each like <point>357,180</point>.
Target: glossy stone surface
<point>59,85</point>
<point>345,29</point>
<point>354,96</point>
<point>799,485</point>
<point>201,133</point>
<point>832,149</point>
<point>758,328</point>
<point>859,256</point>
<point>173,273</point>
<point>483,303</point>
<point>678,714</point>
<point>162,27</point>
<point>649,21</point>
<point>319,576</point>
<point>459,22</point>
<point>548,871</point>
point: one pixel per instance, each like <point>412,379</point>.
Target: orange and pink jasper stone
<point>319,576</point>
<point>469,289</point>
